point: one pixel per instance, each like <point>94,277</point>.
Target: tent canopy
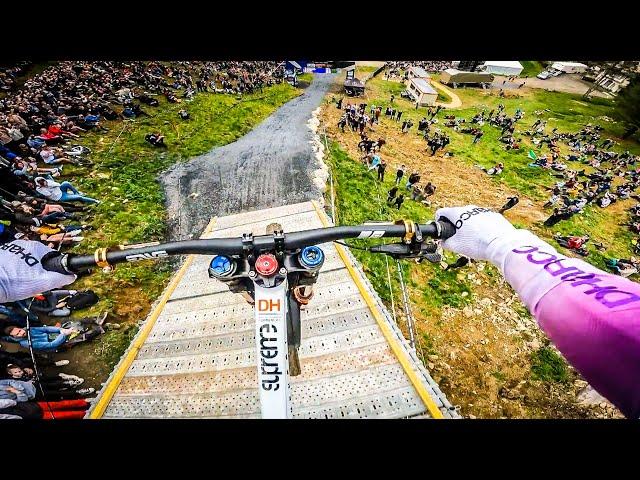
<point>570,67</point>
<point>509,67</point>
<point>451,75</point>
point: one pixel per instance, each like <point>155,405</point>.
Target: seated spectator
<point>52,303</point>
<point>574,243</point>
<point>138,112</point>
<point>155,139</point>
<point>557,216</point>
<point>495,170</point>
<point>60,303</point>
<point>510,203</point>
<point>16,396</point>
<point>40,337</point>
<point>147,100</point>
<point>56,129</point>
<point>375,161</point>
<point>51,339</point>
<point>49,138</point>
<point>49,156</point>
<point>184,115</point>
<point>622,267</point>
<point>128,112</point>
<point>56,387</point>
<point>89,122</point>
<point>60,191</point>
<point>605,200</point>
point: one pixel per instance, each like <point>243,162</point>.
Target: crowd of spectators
<point>10,73</point>
<point>606,176</point>
<point>397,69</point>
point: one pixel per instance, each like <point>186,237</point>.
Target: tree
<point>628,107</point>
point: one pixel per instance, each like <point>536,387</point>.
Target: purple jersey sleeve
<point>591,316</point>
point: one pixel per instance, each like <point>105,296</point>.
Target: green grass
<point>125,175</point>
<point>498,375</point>
<point>305,77</point>
<point>548,366</point>
<point>443,97</point>
<point>353,183</point>
<point>112,345</point>
<point>365,70</point>
<point>531,69</point>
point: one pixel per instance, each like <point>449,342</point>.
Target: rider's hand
<point>482,234</point>
<point>21,272</point>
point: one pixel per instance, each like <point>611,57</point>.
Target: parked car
<point>544,75</point>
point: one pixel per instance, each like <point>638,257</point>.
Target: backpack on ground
<point>83,299</point>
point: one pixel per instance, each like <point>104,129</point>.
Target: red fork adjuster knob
<point>266,264</point>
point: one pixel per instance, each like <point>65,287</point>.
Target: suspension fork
<point>271,315</point>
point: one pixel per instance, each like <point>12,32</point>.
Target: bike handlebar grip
<point>55,262</point>
<point>447,229</point>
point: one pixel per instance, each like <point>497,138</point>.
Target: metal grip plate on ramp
<point>195,355</point>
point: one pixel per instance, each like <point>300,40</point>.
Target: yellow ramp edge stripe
<point>386,331</point>
<point>123,367</point>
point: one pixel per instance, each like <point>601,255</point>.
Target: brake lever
<point>429,251</point>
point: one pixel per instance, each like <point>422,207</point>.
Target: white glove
<point>21,272</point>
<point>483,234</point>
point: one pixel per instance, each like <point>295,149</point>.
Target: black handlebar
<point>234,246</point>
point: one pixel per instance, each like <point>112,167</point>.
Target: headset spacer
<point>100,257</point>
<point>409,228</point>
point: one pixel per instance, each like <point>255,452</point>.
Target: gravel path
<point>271,166</point>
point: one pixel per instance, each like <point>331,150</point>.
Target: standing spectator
<point>400,174</point>
<point>415,192</point>
<point>391,195</point>
<point>413,179</point>
<point>398,201</point>
<point>381,168</point>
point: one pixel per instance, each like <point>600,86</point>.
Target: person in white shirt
<point>60,191</point>
<point>49,157</point>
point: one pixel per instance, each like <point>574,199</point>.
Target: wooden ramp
<point>195,355</point>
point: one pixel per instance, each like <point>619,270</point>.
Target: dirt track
<point>272,165</point>
<point>566,83</point>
